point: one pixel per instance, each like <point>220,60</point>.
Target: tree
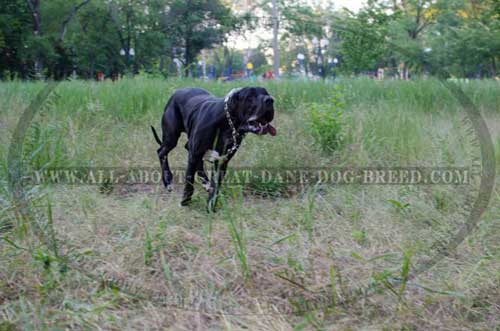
<point>363,35</point>
<point>258,59</point>
<point>55,32</point>
<point>137,27</point>
<point>464,40</point>
<point>412,18</point>
<point>55,37</point>
<point>199,24</point>
<point>15,31</point>
<point>298,24</point>
<point>301,21</point>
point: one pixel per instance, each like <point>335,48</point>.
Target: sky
<point>252,39</point>
<point>350,4</point>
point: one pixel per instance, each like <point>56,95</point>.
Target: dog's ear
<point>232,98</point>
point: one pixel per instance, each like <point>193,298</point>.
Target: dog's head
<point>254,109</point>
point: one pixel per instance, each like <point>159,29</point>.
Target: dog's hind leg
<point>166,173</point>
<point>200,171</point>
<point>189,185</point>
<point>172,128</point>
<point>170,139</point>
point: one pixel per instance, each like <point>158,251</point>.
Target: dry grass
<point>320,258</point>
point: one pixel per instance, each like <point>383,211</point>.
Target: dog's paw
<point>211,156</point>
<point>167,178</point>
<point>208,187</point>
<point>185,202</point>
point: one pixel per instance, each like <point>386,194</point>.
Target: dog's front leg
<point>205,182</point>
<point>220,172</point>
<point>189,185</point>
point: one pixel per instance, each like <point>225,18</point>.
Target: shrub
<point>326,122</point>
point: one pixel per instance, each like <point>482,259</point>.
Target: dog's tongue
<point>271,129</point>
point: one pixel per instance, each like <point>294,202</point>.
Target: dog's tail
<point>156,136</point>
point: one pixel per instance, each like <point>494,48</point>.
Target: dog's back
<point>185,104</point>
<point>186,95</point>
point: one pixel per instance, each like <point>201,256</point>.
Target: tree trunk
<point>127,46</point>
<point>34,6</point>
<point>188,56</point>
<point>162,63</point>
<point>70,17</point>
<point>187,60</point>
<point>493,67</point>
<point>92,67</point>
<point>276,50</point>
<point>403,71</point>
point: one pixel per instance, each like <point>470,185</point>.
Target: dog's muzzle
<point>260,124</point>
<point>261,128</point>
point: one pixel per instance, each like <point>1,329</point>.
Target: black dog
<point>212,124</point>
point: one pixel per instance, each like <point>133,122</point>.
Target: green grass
<point>117,257</point>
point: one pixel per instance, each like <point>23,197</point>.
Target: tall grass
<point>343,242</point>
<point>130,98</point>
<point>237,231</point>
<point>105,123</point>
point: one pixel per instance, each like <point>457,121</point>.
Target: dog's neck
<point>232,126</point>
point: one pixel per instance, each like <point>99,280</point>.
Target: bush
<point>326,122</point>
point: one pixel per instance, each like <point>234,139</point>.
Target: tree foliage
<point>111,36</point>
<point>363,35</point>
<point>54,38</point>
<point>461,36</point>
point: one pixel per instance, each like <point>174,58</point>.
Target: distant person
<point>249,69</point>
<point>380,73</point>
<point>229,75</point>
<point>268,75</point>
<point>212,74</point>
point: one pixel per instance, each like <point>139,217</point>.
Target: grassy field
<point>275,256</point>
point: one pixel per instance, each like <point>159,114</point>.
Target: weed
<point>326,122</point>
<point>308,217</point>
<point>237,232</point>
<point>148,248</point>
